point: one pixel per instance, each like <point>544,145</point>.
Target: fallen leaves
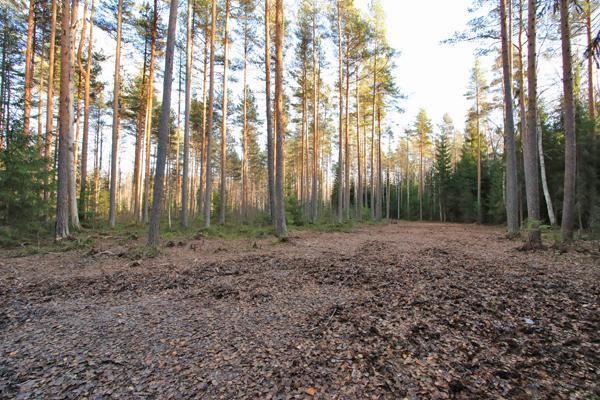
<point>401,311</point>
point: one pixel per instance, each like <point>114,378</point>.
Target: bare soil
<point>405,310</point>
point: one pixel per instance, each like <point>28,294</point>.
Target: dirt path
<point>402,310</point>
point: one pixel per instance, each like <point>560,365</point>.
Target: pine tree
<point>163,130</point>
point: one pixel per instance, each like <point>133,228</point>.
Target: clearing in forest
<point>414,310</point>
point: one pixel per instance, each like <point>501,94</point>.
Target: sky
<point>432,75</point>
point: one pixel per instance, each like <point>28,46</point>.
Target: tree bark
<point>315,160</point>
<point>73,211</point>
<point>86,117</point>
<point>359,189</point>
<point>592,105</point>
<point>149,109</point>
<point>50,95</point>
<point>62,195</point>
<point>530,141</point>
<point>280,225</point>
<point>245,172</point>
<point>163,132</point>
<point>269,113</point>
<point>512,216</point>
<point>211,101</point>
<point>223,188</point>
<point>40,90</point>
<point>186,129</point>
<point>568,216</point>
<point>112,217</point>
<point>347,137</point>
<point>28,69</point>
<point>204,131</point>
<point>340,200</point>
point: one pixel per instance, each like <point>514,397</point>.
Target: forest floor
<point>415,310</point>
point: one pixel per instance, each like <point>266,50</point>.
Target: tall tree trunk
<point>112,217</point>
<point>530,141</point>
<point>315,160</point>
<point>62,195</point>
<point>245,172</point>
<point>73,211</point>
<point>50,96</point>
<point>186,129</point>
<point>372,161</point>
<point>204,131</point>
<point>41,90</point>
<point>163,131</point>
<point>592,105</point>
<point>211,101</point>
<point>280,225</point>
<point>140,139</point>
<point>512,216</point>
<point>79,85</point>
<point>270,141</point>
<point>359,189</point>
<point>347,138</point>
<point>86,117</point>
<point>28,68</point>
<point>478,132</point>
<point>149,109</point>
<point>421,180</point>
<point>223,191</point>
<point>568,216</point>
<point>340,200</point>
<point>378,211</point>
<point>303,133</point>
<point>97,165</point>
<point>407,177</point>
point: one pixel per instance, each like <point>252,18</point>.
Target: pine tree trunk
<point>379,210</point>
<point>315,161</point>
<point>223,191</point>
<point>163,132</point>
<point>149,109</point>
<point>269,114</point>
<point>97,166</point>
<point>595,185</point>
<point>86,118</point>
<point>568,216</point>
<point>211,101</point>
<point>140,139</point>
<point>114,168</point>
<point>73,211</point>
<point>373,101</point>
<point>50,95</point>
<point>359,189</point>
<point>478,132</point>
<point>186,129</point>
<point>40,91</point>
<point>347,140</point>
<point>245,172</point>
<point>62,195</point>
<point>303,129</point>
<point>79,85</point>
<point>204,131</point>
<point>280,225</point>
<point>530,141</point>
<point>28,69</point>
<point>512,217</point>
<point>340,200</point>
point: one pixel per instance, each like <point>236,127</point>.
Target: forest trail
<point>417,310</point>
